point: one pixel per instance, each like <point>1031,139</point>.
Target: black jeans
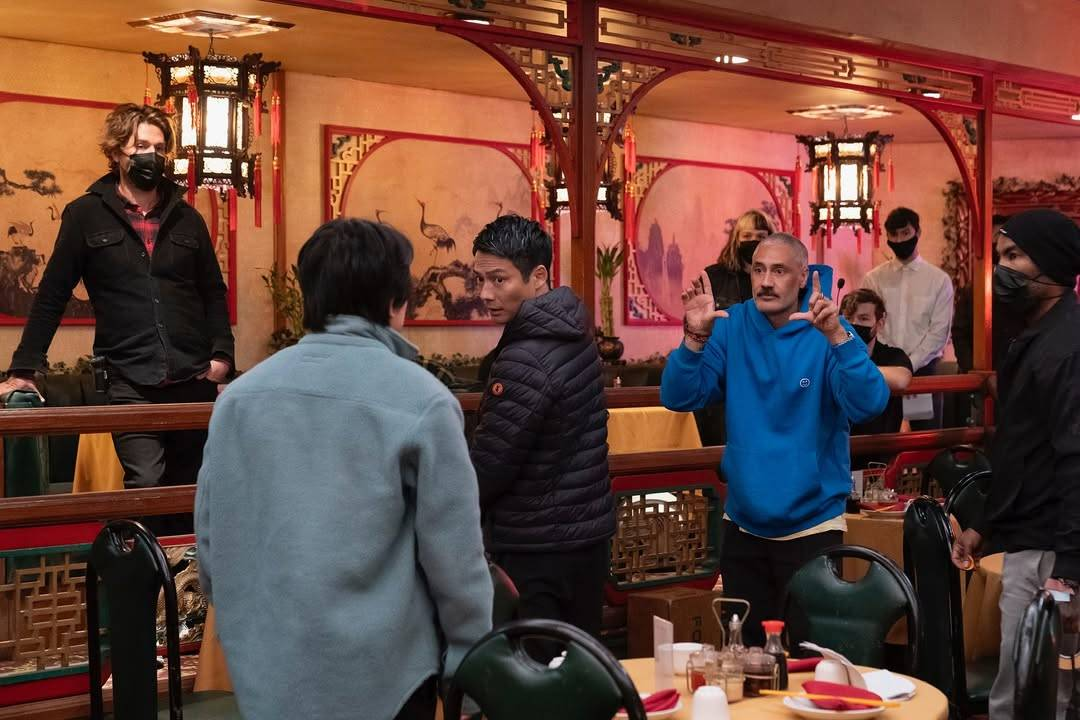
<point>421,704</point>
<point>566,586</point>
<point>152,459</point>
<point>933,423</point>
<point>758,570</point>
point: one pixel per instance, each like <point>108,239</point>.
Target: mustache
<point>766,293</point>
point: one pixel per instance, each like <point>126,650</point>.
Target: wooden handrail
<point>707,458</point>
<point>83,507</point>
<point>195,416</point>
<point>86,507</point>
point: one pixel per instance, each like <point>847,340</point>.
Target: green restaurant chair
<point>967,499</point>
<point>928,564</point>
<point>131,567</point>
<point>1035,659</point>
<point>951,465</point>
<point>507,684</point>
<point>852,618</point>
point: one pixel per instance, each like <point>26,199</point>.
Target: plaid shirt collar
<point>145,224</point>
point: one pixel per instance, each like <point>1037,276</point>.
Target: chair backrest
<point>953,464</point>
<point>928,565</point>
<point>504,608</point>
<point>1035,659</point>
<point>852,618</point>
<point>507,684</point>
<point>967,500</point>
<point>132,570</point>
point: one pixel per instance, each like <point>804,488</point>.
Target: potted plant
<point>608,262</point>
<point>288,303</point>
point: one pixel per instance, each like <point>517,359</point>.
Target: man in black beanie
<point>1033,512</point>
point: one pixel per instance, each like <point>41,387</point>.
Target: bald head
<point>792,243</point>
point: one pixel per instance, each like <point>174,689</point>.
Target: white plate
<point>658,713</point>
<point>806,709</point>
<point>889,685</point>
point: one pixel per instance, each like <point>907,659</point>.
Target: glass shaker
<point>759,669</point>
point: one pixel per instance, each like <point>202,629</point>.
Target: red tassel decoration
<point>630,150</point>
<point>193,99</point>
<point>275,119</point>
<point>275,142</point>
<point>232,209</point>
<point>170,106</point>
<point>796,186</point>
<point>892,176</point>
<point>858,239</point>
<point>814,170</point>
<point>146,93</point>
<point>191,178</point>
<point>258,191</point>
<point>256,109</point>
<point>828,227</point>
<point>535,172</point>
<point>876,225</point>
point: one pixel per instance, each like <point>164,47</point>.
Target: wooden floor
<point>78,706</point>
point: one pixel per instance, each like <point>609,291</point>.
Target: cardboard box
<point>689,609</point>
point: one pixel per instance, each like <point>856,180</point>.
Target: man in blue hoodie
<point>793,380</point>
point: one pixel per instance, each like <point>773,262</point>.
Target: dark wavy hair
<point>353,267</point>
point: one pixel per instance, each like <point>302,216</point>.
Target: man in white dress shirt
<point>920,301</point>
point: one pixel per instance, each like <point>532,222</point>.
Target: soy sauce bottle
<point>774,647</point>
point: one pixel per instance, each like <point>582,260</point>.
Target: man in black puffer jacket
<point>540,448</point>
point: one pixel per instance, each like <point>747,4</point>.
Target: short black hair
<point>353,267</point>
<point>521,241</point>
<point>900,217</point>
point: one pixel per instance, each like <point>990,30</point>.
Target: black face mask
<point>865,332</point>
<point>1012,289</point>
<point>145,170</point>
<point>903,250</point>
<point>746,251</point>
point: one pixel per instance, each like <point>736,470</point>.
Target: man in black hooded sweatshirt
<point>540,447</point>
<point>1033,511</point>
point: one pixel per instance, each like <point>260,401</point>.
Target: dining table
<point>928,703</point>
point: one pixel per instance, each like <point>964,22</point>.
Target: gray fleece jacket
<point>338,528</point>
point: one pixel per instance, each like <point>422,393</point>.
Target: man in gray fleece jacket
<point>337,513</point>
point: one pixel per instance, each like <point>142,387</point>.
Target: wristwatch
<point>845,340</point>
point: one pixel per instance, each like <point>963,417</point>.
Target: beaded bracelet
<point>696,337</point>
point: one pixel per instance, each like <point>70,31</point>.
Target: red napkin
<point>803,665</point>
<point>816,687</point>
<point>658,701</point>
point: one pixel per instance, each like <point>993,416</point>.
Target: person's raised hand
<point>822,313</point>
<point>699,307</point>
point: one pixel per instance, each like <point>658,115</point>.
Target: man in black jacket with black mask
<point>540,448</point>
<point>159,300</point>
<point>1033,511</point>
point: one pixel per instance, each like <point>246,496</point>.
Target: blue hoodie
<point>790,399</point>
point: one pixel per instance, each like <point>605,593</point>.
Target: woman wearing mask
<point>730,276</point>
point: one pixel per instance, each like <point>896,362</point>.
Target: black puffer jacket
<point>540,448</point>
